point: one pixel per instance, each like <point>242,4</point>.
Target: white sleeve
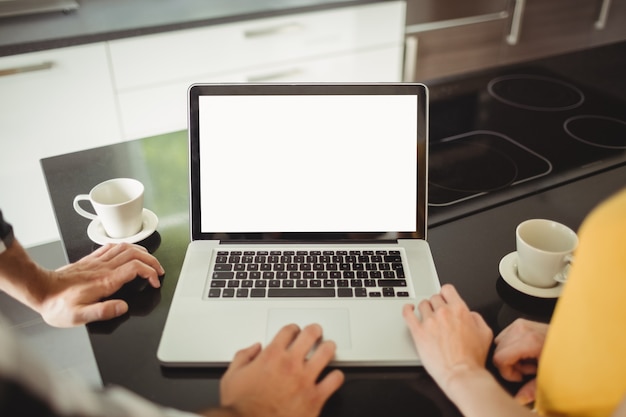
<point>63,394</point>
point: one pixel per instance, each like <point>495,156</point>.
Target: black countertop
<point>102,20</point>
<point>466,252</point>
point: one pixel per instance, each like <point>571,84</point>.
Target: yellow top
<point>582,369</point>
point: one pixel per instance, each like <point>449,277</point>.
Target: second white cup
<point>544,252</point>
<point>118,204</point>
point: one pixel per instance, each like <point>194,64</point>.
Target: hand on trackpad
<point>335,323</point>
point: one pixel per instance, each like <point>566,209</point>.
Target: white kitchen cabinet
<point>52,102</point>
<point>151,111</point>
<point>152,73</point>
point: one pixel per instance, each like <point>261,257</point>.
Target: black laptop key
<point>214,292</point>
<point>388,292</point>
<point>228,293</point>
<point>391,283</point>
<point>223,267</point>
<point>301,292</point>
<point>242,292</point>
<point>360,292</point>
<point>218,283</point>
<point>223,275</point>
<point>344,292</point>
<point>392,258</point>
<point>257,293</point>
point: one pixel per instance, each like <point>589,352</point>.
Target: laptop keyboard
<point>308,273</point>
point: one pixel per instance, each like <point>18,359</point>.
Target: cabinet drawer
<point>150,60</point>
<point>443,52</point>
<point>53,102</point>
<point>163,109</point>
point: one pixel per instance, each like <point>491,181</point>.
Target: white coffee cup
<point>118,204</point>
<point>544,252</point>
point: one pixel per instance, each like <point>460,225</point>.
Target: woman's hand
<point>449,338</point>
<point>518,348</point>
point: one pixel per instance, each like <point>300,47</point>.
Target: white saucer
<point>96,232</point>
<point>508,271</point>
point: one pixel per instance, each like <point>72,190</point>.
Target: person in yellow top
<point>579,359</point>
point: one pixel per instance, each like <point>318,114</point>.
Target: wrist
<point>464,376</point>
<point>221,412</point>
<point>22,278</point>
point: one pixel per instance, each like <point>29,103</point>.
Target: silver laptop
<point>308,205</point>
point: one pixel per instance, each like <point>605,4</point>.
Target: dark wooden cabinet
<point>610,25</point>
<point>447,50</point>
<point>545,27</point>
<point>448,37</point>
<point>445,37</point>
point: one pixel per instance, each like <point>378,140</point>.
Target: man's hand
<point>449,338</point>
<point>518,348</point>
<point>281,380</point>
<point>72,294</point>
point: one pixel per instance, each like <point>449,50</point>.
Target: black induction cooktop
<point>502,134</point>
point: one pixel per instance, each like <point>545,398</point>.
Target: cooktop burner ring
<point>575,127</point>
<point>535,92</point>
<point>484,161</point>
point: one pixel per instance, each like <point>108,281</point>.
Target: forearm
<point>477,394</point>
<point>220,412</point>
<point>21,277</point>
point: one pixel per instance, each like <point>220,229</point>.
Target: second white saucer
<point>96,232</point>
<point>508,271</point>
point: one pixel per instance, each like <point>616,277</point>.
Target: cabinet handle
<point>273,30</point>
<point>453,23</point>
<point>410,58</point>
<point>603,15</point>
<point>516,22</point>
<point>27,68</point>
<point>274,75</point>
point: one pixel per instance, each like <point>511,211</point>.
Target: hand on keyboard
<point>282,379</point>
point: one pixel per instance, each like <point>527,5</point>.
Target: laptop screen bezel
<point>418,90</point>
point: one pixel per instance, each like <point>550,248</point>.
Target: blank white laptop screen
<point>308,163</point>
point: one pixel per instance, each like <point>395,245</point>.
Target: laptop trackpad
<point>335,323</point>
